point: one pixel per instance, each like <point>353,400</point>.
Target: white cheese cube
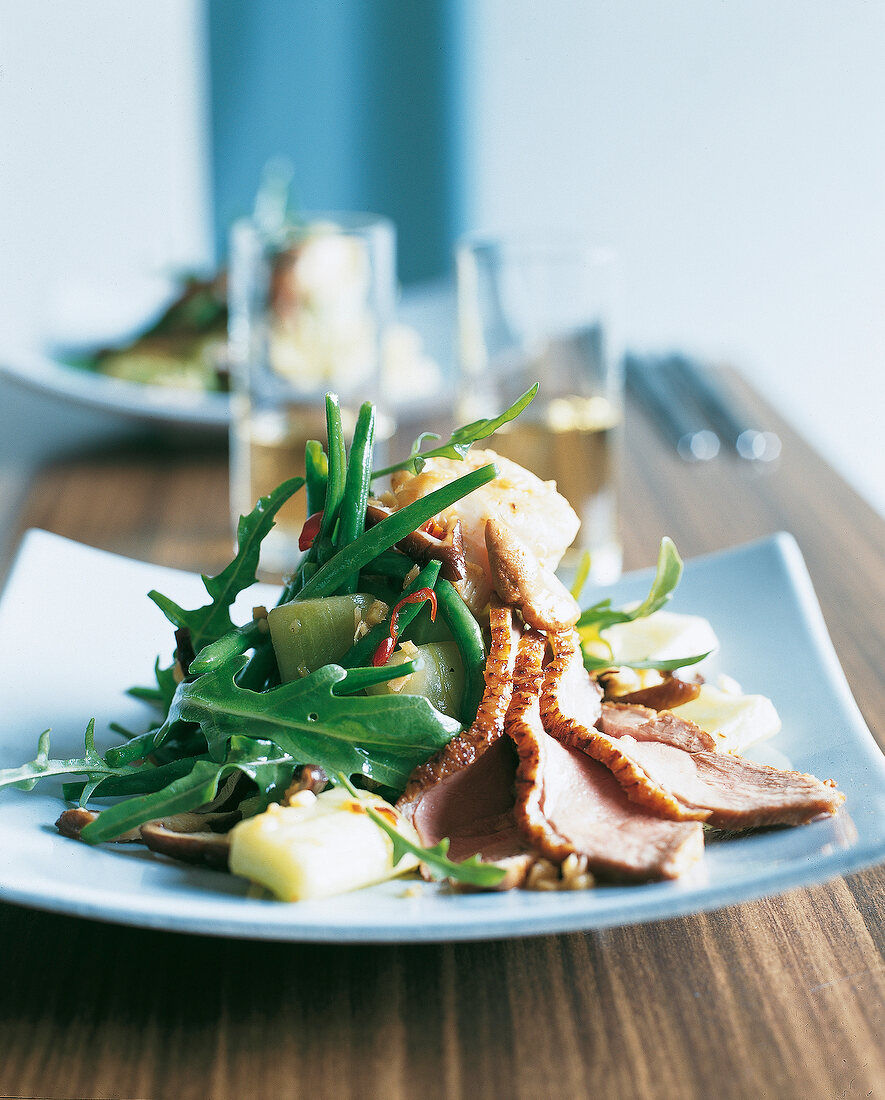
<point>735,721</point>
<point>663,636</point>
<point>320,848</point>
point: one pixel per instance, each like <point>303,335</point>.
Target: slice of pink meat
<point>568,803</point>
<point>670,766</point>
<point>465,791</point>
<point>645,724</point>
<point>473,807</point>
<point>734,792</point>
<point>487,727</point>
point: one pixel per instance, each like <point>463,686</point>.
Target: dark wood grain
<point>778,998</point>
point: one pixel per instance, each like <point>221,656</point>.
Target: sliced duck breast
<point>465,791</point>
<point>568,803</point>
<point>571,695</point>
<point>734,792</point>
<point>645,724</point>
<point>488,725</point>
<point>570,709</point>
<point>473,807</point>
<point>669,765</point>
<point>568,689</point>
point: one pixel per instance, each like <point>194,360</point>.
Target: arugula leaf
<point>595,619</point>
<point>667,576</point>
<point>594,663</point>
<point>140,780</point>
<point>461,440</point>
<point>212,621</point>
<point>179,796</point>
<point>267,766</point>
<point>92,764</point>
<point>383,736</point>
<point>161,695</point>
<point>261,761</point>
<point>472,871</point>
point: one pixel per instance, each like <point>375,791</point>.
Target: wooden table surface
<point>777,998</point>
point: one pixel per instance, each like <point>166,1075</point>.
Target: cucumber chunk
<point>307,634</point>
<point>440,679</point>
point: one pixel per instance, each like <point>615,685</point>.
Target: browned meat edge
<point>666,763</point>
<point>488,726</point>
<point>568,803</point>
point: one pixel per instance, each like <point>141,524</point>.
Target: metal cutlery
<point>693,439</point>
<point>733,425</point>
<point>697,414</point>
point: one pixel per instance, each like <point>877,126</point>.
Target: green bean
<point>363,651</point>
<point>350,559</point>
<point>352,513</point>
<point>358,679</point>
<point>468,637</point>
<point>228,645</point>
<point>316,469</point>
<point>390,563</point>
<point>335,481</point>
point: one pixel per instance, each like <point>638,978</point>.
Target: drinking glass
<point>309,303</point>
<point>548,309</point>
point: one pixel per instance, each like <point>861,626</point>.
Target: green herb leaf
<point>260,760</point>
<point>92,764</point>
<point>266,765</point>
<point>667,577</point>
<point>472,871</point>
<point>187,793</point>
<point>462,439</point>
<point>601,615</point>
<point>384,736</point>
<point>140,780</point>
<point>212,621</point>
<point>595,663</point>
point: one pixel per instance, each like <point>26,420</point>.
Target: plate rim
<point>42,373</point>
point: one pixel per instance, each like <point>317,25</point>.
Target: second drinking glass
<point>547,309</point>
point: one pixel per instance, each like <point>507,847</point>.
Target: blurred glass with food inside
<point>310,301</point>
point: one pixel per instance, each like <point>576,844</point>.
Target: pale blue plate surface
<point>76,630</point>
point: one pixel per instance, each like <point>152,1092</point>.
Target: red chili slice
<point>384,650</point>
<point>420,596</point>
<point>309,531</point>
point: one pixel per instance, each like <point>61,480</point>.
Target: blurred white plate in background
<point>423,339</point>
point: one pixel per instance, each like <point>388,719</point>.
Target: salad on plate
<point>428,697</point>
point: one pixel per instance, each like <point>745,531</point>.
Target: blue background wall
<point>362,97</point>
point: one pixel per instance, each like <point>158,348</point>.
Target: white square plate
<point>76,630</point>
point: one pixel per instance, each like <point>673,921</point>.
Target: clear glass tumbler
<point>309,303</point>
<point>548,309</point>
